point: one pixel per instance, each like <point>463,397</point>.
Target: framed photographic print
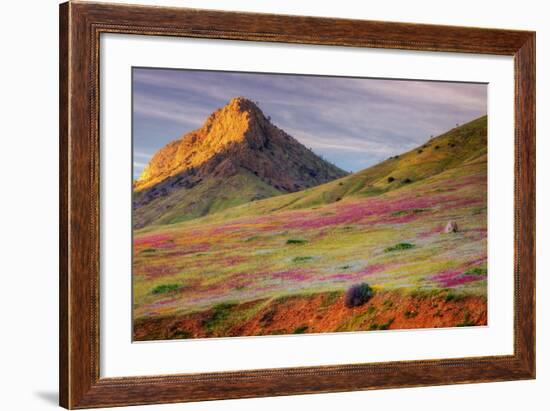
<point>258,205</point>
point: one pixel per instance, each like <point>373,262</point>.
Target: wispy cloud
<point>352,122</point>
<point>142,155</point>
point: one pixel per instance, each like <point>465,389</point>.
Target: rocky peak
<point>233,122</point>
<point>239,133</point>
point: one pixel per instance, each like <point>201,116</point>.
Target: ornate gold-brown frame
<point>80,27</point>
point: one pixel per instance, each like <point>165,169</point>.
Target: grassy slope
<point>326,238</point>
<point>469,141</point>
<point>212,195</point>
<point>219,199</point>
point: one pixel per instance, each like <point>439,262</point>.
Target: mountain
<point>237,156</point>
<point>461,148</point>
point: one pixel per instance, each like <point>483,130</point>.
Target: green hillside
<point>413,229</point>
<point>212,195</point>
<point>458,146</point>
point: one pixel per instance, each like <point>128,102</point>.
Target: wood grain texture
<point>80,27</point>
<point>63,204</point>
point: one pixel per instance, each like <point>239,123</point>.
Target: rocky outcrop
<point>240,134</point>
<point>451,227</point>
<point>238,138</point>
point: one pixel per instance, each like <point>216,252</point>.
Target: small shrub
<point>220,312</point>
<point>399,247</point>
<point>411,211</point>
<point>386,325</point>
<point>478,210</point>
<point>149,251</point>
<point>410,314</point>
<point>357,295</point>
<point>467,322</point>
<point>330,299</point>
<point>301,259</point>
<point>181,334</point>
<point>407,181</point>
<point>450,297</point>
<point>345,267</point>
<point>391,179</point>
<point>436,147</point>
<point>165,288</point>
<point>296,241</point>
<point>267,318</point>
<point>300,330</point>
<point>420,151</point>
<point>476,271</point>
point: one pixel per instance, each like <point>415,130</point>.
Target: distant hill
<point>237,156</point>
<point>460,146</point>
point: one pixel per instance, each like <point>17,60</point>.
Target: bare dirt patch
<point>317,313</point>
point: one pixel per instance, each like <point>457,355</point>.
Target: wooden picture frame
<point>80,27</point>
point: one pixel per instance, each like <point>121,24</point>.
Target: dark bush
<point>410,314</point>
<point>165,288</point>
<point>220,312</point>
<point>420,151</point>
<point>391,179</point>
<point>399,247</point>
<point>181,334</point>
<point>358,294</point>
<point>476,271</point>
<point>436,147</point>
<point>407,181</point>
<point>301,259</point>
<point>296,241</point>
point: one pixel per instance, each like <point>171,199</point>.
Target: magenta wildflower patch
<point>156,271</point>
<point>292,275</point>
<point>356,275</point>
<point>156,240</point>
<point>453,278</point>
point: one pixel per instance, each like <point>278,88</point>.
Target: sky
<point>352,122</point>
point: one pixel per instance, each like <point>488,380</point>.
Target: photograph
<point>275,204</point>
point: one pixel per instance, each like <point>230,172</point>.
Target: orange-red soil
<point>323,312</point>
